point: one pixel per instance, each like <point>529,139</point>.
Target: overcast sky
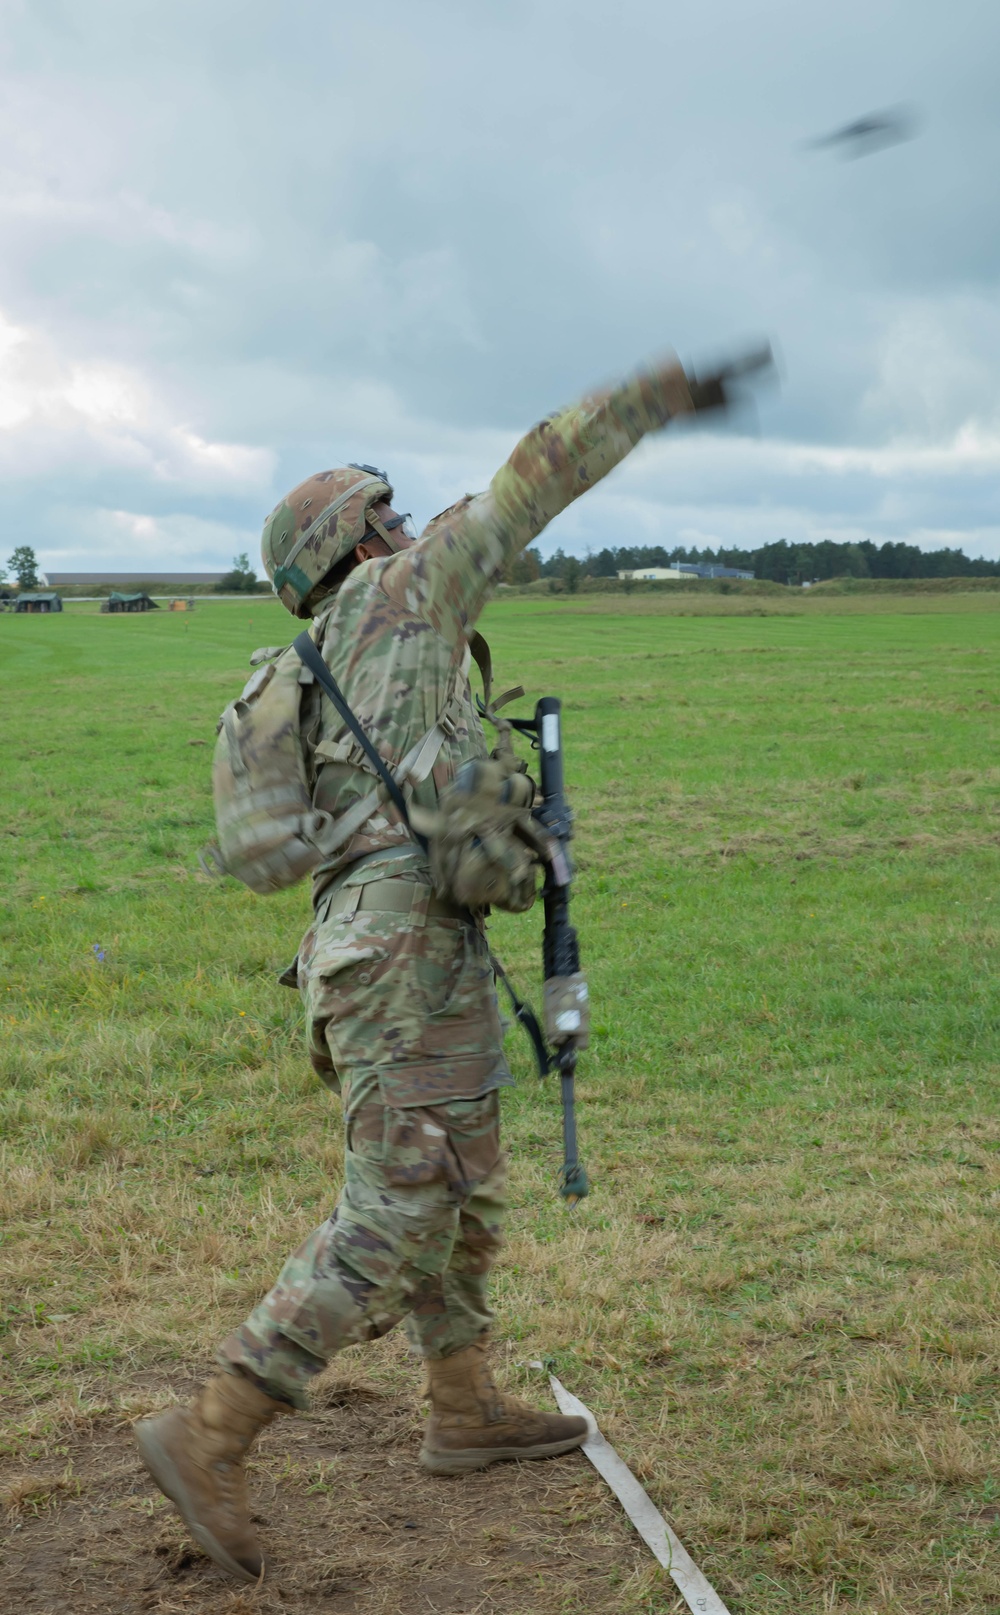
<point>240,242</point>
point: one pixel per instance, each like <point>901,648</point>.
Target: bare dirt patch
<point>351,1525</point>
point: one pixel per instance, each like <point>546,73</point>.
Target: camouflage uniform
<point>399,994</point>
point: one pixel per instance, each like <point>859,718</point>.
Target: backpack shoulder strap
<point>307,650</point>
<point>483,658</point>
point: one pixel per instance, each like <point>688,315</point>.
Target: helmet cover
<point>315,526</point>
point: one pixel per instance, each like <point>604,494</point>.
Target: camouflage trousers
<point>402,1017</point>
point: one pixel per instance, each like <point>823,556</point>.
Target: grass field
<point>781,1299</point>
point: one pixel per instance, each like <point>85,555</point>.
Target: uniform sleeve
<point>447,576</point>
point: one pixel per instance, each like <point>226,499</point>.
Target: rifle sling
<point>525,1016</point>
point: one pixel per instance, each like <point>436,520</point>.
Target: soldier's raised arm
<point>447,576</point>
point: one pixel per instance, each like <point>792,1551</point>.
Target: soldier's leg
<point>472,1423</point>
<point>352,1279</point>
<point>356,1276</point>
<point>452,1311</point>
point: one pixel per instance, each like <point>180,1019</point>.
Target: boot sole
<point>167,1477</point>
<point>460,1463</point>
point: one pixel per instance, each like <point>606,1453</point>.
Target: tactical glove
<point>717,390</point>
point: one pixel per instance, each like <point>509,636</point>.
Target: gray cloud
<point>242,241</point>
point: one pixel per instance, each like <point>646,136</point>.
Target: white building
<point>654,574</point>
<point>685,569</point>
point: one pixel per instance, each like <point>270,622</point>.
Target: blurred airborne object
<point>867,135</point>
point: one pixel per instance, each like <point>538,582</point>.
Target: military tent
<point>129,602</point>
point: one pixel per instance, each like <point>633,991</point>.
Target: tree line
<point>778,562</point>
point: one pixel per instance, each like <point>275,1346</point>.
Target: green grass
<point>781,1297</point>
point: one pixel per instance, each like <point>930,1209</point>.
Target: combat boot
<point>195,1455</point>
<point>472,1424</point>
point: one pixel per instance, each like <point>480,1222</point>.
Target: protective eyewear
<point>405,522</point>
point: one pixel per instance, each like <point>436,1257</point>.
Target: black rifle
<point>566,1009</point>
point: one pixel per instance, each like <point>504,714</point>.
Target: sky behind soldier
<point>227,259</point>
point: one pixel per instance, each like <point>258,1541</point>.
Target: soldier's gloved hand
<point>717,390</point>
<point>707,394</point>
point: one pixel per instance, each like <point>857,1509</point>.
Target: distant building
<point>708,569</point>
<point>170,580</point>
<point>653,574</point>
<point>684,569</point>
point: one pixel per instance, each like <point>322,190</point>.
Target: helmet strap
<point>385,533</point>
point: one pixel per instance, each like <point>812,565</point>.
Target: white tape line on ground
<point>696,1591</point>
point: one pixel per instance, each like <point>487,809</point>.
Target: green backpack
<point>482,844</point>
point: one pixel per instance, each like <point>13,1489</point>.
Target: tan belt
<point>391,897</point>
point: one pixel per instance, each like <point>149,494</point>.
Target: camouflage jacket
<point>396,634</point>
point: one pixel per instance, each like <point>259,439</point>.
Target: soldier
<point>397,985</point>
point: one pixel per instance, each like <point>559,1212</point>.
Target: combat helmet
<point>315,526</point>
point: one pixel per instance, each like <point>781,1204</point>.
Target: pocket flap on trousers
<point>434,1082</point>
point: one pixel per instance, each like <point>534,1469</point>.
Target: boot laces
<point>499,1406</point>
